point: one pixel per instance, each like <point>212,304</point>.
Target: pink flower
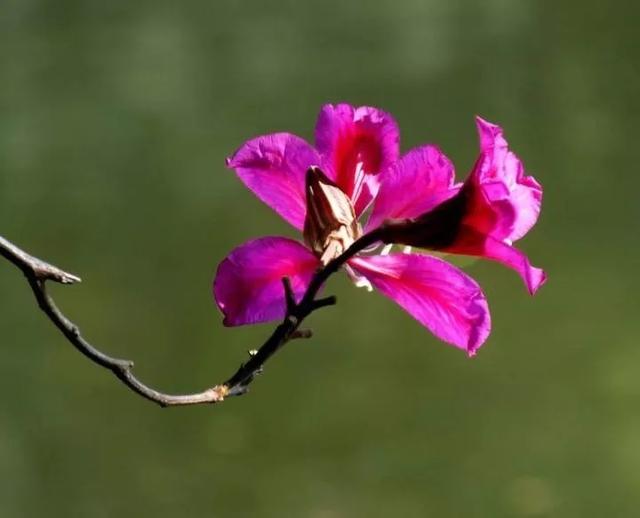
<point>496,206</point>
<point>323,192</point>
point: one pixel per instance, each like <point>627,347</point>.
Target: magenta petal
<point>274,168</point>
<point>420,180</point>
<point>441,297</point>
<point>515,259</point>
<point>470,242</point>
<point>248,285</point>
<point>507,200</point>
<point>357,144</point>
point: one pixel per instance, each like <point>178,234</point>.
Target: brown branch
<point>38,272</point>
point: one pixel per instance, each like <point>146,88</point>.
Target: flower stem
<point>38,272</point>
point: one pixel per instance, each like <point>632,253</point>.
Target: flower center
<point>330,226</point>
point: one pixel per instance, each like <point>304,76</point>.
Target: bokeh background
<point>115,119</point>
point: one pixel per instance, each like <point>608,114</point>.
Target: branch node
<point>219,392</point>
<point>292,320</point>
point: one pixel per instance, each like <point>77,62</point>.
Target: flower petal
<point>420,180</point>
<point>357,144</point>
<point>274,167</point>
<point>445,229</point>
<point>441,297</point>
<point>470,242</point>
<point>505,203</point>
<point>248,285</point>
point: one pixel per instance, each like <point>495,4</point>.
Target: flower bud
<point>330,226</point>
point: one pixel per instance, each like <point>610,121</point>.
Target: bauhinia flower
<point>324,191</point>
<point>496,206</point>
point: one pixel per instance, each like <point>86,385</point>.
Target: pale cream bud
<point>330,226</point>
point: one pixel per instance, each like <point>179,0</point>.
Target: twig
<point>38,272</point>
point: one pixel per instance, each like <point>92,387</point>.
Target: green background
<point>115,119</point>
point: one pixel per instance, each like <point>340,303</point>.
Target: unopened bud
<point>330,226</point>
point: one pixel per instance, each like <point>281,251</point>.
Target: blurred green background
<point>115,119</point>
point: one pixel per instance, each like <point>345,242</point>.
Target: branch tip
<point>321,303</point>
<point>47,272</point>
